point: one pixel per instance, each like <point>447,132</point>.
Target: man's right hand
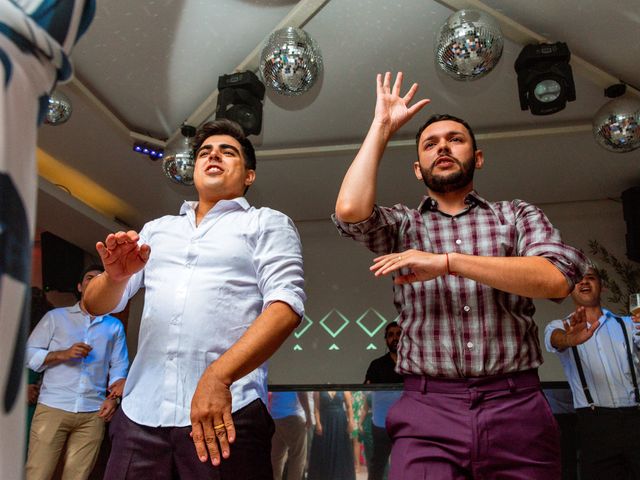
<point>77,350</point>
<point>577,330</point>
<point>122,256</point>
<point>392,110</point>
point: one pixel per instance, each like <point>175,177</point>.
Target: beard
<point>445,183</point>
<point>393,347</point>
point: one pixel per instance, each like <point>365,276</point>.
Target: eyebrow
<point>448,134</point>
<point>223,146</point>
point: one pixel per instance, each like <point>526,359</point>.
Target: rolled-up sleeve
<point>278,262</point>
<point>39,342</point>
<point>379,232</point>
<point>119,362</point>
<point>537,237</point>
<point>548,331</point>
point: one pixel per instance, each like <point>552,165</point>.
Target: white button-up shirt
<point>77,385</point>
<point>204,286</point>
<point>604,361</point>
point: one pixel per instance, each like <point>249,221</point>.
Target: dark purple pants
<point>486,428</point>
<point>139,452</point>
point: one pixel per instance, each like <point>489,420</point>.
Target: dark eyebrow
<point>223,146</point>
<point>448,134</point>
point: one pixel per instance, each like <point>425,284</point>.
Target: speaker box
<point>62,263</point>
<point>631,211</point>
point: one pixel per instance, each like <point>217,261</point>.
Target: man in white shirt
<point>80,355</point>
<point>223,289</point>
<point>598,351</point>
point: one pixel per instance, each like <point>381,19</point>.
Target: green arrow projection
<point>336,332</point>
<point>381,322</point>
<point>334,347</point>
<point>301,331</point>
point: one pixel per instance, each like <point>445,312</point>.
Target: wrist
<point>449,260</point>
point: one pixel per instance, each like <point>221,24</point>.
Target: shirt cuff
<point>36,361</point>
<point>290,298</point>
<point>352,229</point>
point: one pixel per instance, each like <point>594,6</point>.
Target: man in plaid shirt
<point>465,272</point>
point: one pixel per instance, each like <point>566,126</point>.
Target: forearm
<point>533,277</point>
<point>103,294</point>
<point>259,342</point>
<point>55,358</point>
<point>357,195</point>
<point>559,340</point>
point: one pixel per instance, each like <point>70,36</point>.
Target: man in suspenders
<point>598,353</point>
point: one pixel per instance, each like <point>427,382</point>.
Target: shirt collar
<point>472,199</point>
<point>222,205</point>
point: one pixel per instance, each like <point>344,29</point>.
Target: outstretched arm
<point>576,331</point>
<point>533,277</point>
<point>358,191</point>
<point>121,256</point>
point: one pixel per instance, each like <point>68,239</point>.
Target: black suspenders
<point>583,380</point>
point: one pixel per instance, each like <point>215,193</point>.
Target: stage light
<point>240,99</point>
<point>153,153</point>
<point>545,80</point>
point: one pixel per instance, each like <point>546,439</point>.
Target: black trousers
<point>381,451</point>
<point>139,452</point>
<point>609,440</point>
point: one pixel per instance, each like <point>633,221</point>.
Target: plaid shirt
<point>453,326</point>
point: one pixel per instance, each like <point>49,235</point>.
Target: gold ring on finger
<point>219,427</point>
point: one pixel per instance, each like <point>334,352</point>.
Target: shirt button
<point>171,356</point>
<point>467,308</point>
<point>469,345</point>
<point>458,242</point>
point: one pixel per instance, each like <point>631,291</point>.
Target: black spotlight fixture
<point>240,99</point>
<point>545,80</point>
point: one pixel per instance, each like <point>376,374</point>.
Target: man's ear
<point>479,155</point>
<point>416,170</point>
<point>249,178</point>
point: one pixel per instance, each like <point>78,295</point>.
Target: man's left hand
<point>108,409</point>
<point>212,428</point>
<point>116,389</point>
<point>423,265</point>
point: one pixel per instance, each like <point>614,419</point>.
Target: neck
<point>394,357</point>
<point>204,206</point>
<point>451,203</point>
<point>84,310</point>
<point>593,313</point>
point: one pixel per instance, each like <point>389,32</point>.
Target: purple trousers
<point>487,428</point>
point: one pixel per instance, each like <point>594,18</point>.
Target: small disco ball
<point>178,167</point>
<point>290,62</point>
<point>616,126</point>
<point>58,110</point>
<point>468,45</point>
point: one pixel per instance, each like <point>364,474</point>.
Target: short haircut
<point>91,268</point>
<point>389,326</point>
<point>227,127</point>
<point>441,118</point>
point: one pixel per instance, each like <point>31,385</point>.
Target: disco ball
<point>290,62</point>
<point>58,110</point>
<point>616,126</point>
<point>468,45</point>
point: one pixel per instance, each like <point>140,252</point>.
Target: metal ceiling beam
<point>352,148</point>
<point>522,35</point>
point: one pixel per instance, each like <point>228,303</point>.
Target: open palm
<point>392,110</point>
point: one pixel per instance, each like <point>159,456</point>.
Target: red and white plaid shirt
<point>452,326</point>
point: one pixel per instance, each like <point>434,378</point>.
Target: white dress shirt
<point>204,286</point>
<point>77,385</point>
<point>604,361</point>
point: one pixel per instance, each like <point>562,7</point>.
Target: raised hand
<point>423,265</point>
<point>392,110</point>
<point>577,330</point>
<point>121,254</point>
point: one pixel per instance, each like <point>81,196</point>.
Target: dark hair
<point>90,268</point>
<point>389,325</point>
<point>441,118</point>
<point>226,127</point>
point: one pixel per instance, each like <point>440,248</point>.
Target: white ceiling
<point>150,65</point>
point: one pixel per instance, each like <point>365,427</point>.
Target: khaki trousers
<point>51,429</point>
<point>289,446</point>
